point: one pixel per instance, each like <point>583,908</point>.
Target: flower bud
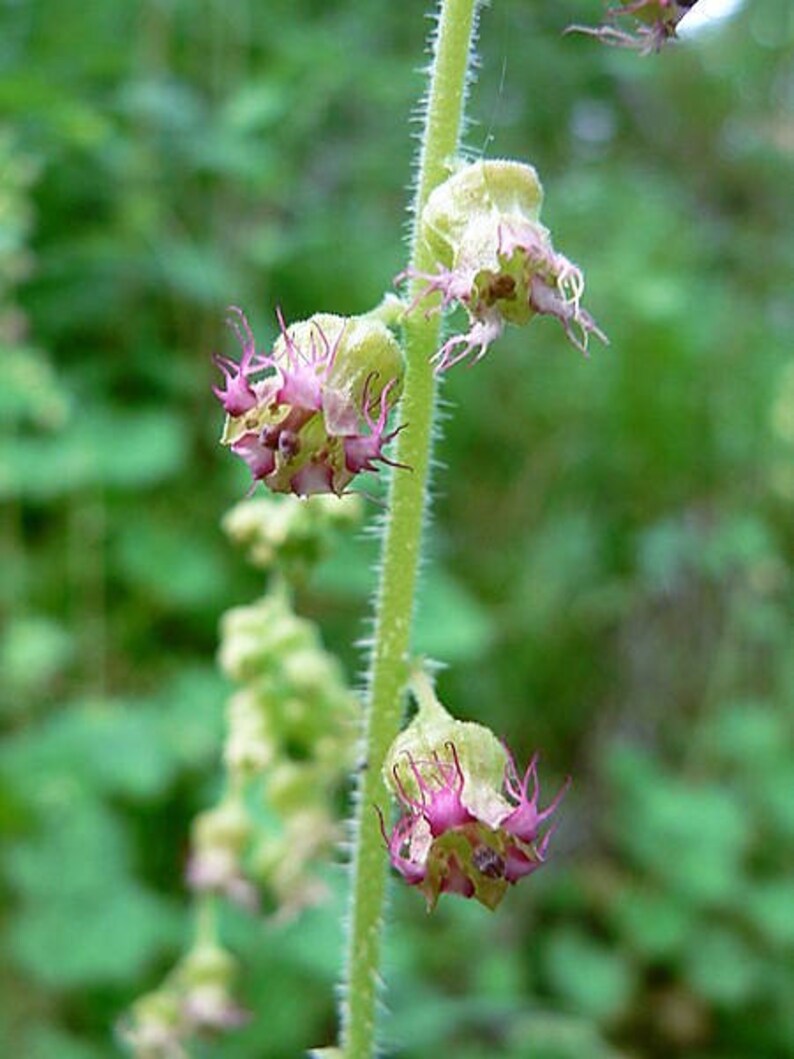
<point>254,638</point>
<point>480,755</point>
<point>496,259</point>
<point>289,532</point>
<point>312,414</point>
<point>227,825</point>
<point>284,862</point>
<point>207,962</point>
<point>154,1027</point>
<point>290,787</point>
<point>250,744</point>
<point>220,837</point>
<point>206,976</point>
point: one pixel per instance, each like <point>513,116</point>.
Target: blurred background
<point>613,549</point>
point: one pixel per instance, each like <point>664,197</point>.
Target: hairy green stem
<point>389,663</point>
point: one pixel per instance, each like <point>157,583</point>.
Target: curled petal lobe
<point>407,846</point>
<point>364,450</point>
<point>237,395</point>
<point>477,341</point>
<point>527,819</point>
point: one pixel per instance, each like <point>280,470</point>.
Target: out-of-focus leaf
<point>450,623</point>
<point>171,106</point>
<point>673,549</point>
<point>596,980</point>
<point>721,968</point>
<point>44,1042</point>
<point>773,792</point>
<point>98,448</point>
<point>691,836</point>
<point>769,907</point>
<point>559,565</point>
<point>78,854</point>
<point>33,652</point>
<point>190,710</point>
<point>196,272</point>
<point>350,571</point>
<point>66,944</point>
<point>96,746</point>
<point>29,389</point>
<point>653,923</point>
<point>552,1035</point>
<point>315,940</point>
<point>154,559</point>
<point>748,736</point>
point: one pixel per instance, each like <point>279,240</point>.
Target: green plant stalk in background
<point>401,548</point>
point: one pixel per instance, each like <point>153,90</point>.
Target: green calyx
<point>226,827</point>
<point>349,352</point>
<point>483,227</point>
<point>207,964</point>
<point>462,211</point>
<point>481,756</point>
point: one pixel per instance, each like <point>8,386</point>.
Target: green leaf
<point>450,623</point>
<point>154,559</point>
<point>721,968</point>
<point>99,447</point>
<point>593,979</point>
<point>30,390</point>
<point>553,1035</point>
<point>691,836</point>
<point>80,852</point>
<point>653,923</point>
<point>769,908</point>
<point>748,736</point>
<point>68,944</point>
<point>773,792</point>
<point>45,1042</point>
<point>34,651</point>
<point>92,746</point>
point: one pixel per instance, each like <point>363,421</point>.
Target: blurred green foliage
<point>612,547</point>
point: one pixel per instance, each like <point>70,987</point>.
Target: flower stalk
<point>401,547</point>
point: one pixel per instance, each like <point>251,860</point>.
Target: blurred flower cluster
<point>289,745</point>
<point>292,722</point>
<point>290,725</point>
<point>196,998</point>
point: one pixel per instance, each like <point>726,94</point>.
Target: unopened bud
<point>254,638</point>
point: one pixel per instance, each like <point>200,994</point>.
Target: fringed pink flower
<point>495,260</point>
<point>475,843</point>
<point>312,414</point>
<point>650,24</point>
